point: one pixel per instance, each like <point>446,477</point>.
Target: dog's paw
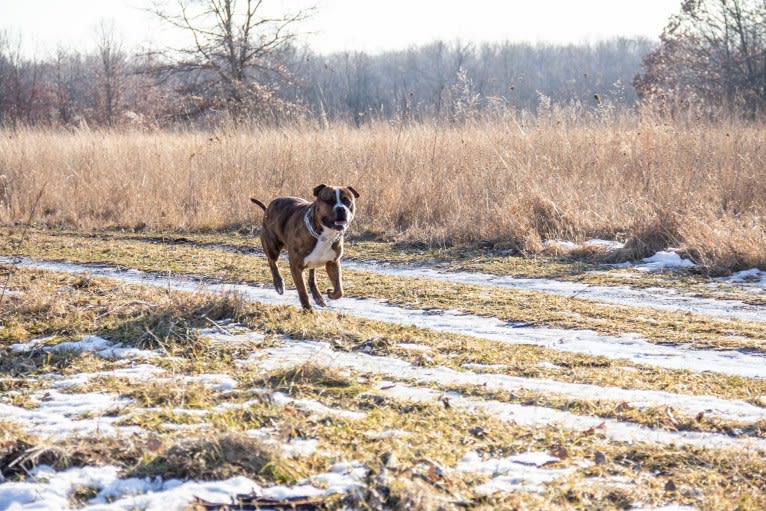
<point>335,295</point>
<point>280,288</point>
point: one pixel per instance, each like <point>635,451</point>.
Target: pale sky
<point>350,25</point>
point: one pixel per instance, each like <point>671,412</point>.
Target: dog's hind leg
<point>279,284</point>
<point>272,248</point>
<point>314,290</point>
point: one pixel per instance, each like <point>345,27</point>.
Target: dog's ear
<point>318,189</point>
<point>351,189</point>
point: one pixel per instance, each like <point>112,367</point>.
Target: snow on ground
<point>752,278</point>
<point>538,416</point>
<point>88,344</point>
<point>313,406</point>
<point>107,349</point>
<point>652,298</point>
<point>665,260</point>
<point>301,352</point>
<point>297,353</point>
<point>138,372</point>
<point>48,490</point>
<point>569,246</point>
<point>102,348</point>
<point>521,472</point>
<point>58,414</point>
<point>61,415</point>
<point>294,448</point>
<point>214,382</point>
<point>628,347</point>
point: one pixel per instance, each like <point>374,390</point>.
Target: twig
<point>160,344</point>
<point>220,327</point>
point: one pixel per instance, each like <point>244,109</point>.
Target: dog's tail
<point>256,201</point>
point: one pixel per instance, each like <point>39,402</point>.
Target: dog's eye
<point>345,201</point>
<point>331,200</point>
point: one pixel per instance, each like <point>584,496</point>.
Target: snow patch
<point>138,372</point>
<point>314,407</point>
<point>295,448</point>
<point>752,277</point>
<point>568,246</point>
<point>62,415</point>
<point>522,472</point>
<point>214,382</point>
<point>29,346</point>
<point>609,245</point>
<point>88,344</point>
<point>664,260</point>
<point>653,298</point>
<point>48,490</point>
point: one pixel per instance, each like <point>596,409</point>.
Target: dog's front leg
<point>314,290</point>
<point>333,271</point>
<point>300,285</point>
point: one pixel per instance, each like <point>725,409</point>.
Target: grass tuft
<point>218,457</point>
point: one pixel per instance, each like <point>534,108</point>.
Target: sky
<point>372,26</point>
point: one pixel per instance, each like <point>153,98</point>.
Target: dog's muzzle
<point>341,218</point>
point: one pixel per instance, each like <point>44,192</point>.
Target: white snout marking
<point>339,204</point>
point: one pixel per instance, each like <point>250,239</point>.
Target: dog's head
<point>335,206</point>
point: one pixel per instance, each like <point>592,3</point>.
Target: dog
<point>312,233</point>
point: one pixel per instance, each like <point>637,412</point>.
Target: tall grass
<point>509,181</point>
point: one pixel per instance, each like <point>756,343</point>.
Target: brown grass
<point>699,187</point>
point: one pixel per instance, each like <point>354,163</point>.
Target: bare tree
<point>713,52</point>
<point>19,83</point>
<point>64,105</point>
<point>112,72</point>
<point>234,56</point>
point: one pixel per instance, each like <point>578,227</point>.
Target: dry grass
<point>125,313</point>
<point>400,476</point>
<point>700,187</point>
<point>541,309</point>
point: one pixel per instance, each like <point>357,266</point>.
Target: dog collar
<point>312,231</point>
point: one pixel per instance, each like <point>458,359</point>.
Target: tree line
<point>240,65</point>
<point>109,87</point>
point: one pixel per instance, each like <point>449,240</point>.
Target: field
<point>505,341</point>
<point>513,182</point>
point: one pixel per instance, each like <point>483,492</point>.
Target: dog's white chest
<point>322,252</point>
